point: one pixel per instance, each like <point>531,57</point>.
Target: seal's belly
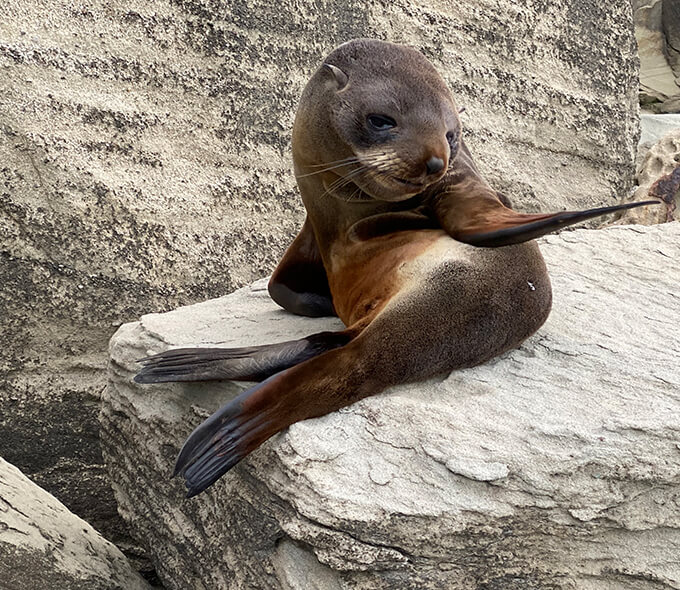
<point>421,267</point>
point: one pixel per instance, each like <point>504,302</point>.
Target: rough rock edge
<point>43,545</point>
<point>660,163</point>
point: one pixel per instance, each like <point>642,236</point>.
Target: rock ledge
<point>554,466</point>
<point>43,545</point>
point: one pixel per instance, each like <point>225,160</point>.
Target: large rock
<point>145,164</point>
<point>43,546</point>
<point>554,466</point>
<point>658,177</point>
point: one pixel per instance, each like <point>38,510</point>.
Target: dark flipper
<point>299,283</point>
<point>225,438</point>
<point>314,388</point>
<point>248,364</point>
<point>508,227</point>
<point>470,211</point>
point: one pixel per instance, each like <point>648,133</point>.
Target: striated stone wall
<point>144,164</point>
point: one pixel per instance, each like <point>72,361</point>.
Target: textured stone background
<point>144,164</point>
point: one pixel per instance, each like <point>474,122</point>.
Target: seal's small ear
<point>340,76</point>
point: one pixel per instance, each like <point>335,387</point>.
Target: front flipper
<point>299,283</point>
<point>470,211</point>
<point>253,363</point>
<point>503,226</point>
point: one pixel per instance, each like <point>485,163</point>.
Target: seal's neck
<point>333,212</point>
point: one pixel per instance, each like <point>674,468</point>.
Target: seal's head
<point>375,121</point>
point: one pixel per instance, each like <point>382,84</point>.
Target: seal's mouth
<point>415,186</point>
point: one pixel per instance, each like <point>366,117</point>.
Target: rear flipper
<point>505,226</point>
<point>225,438</point>
<point>314,388</point>
<point>249,364</point>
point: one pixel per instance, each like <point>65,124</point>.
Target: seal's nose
<point>434,165</point>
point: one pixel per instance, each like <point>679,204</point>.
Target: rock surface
<point>44,546</point>
<point>145,164</point>
<point>658,176</point>
<point>654,127</point>
<point>555,466</point>
<point>657,31</point>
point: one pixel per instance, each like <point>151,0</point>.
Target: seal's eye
<point>452,138</point>
<point>380,122</point>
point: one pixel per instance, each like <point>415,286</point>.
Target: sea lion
<point>404,240</point>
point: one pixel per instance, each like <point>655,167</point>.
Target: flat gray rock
<point>43,546</point>
<point>556,465</point>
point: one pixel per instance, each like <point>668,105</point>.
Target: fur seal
<point>427,266</point>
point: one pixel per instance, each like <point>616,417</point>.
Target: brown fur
<point>390,202</point>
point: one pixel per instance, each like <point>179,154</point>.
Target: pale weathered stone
<point>145,164</point>
<point>660,163</point>
<point>654,127</point>
<point>657,78</point>
<point>555,466</point>
<point>43,546</point>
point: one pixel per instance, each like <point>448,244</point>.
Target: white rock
<point>44,546</point>
<point>654,127</point>
<point>554,466</point>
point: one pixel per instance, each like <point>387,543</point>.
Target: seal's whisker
<point>339,183</point>
<point>340,163</point>
<point>389,169</point>
<point>344,180</point>
<point>349,160</point>
<point>378,164</point>
<point>332,162</point>
<point>352,197</point>
<point>356,161</point>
